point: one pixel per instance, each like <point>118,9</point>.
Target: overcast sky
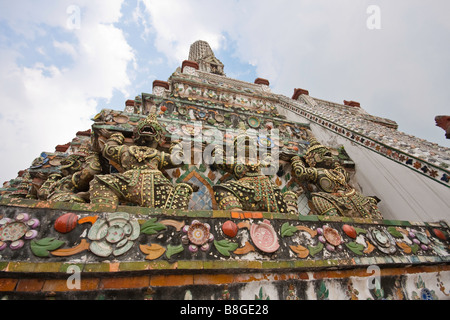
<point>61,61</point>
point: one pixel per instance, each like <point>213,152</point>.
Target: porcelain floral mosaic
<point>118,234</point>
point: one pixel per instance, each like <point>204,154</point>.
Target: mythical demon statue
<point>23,185</point>
<point>140,179</point>
<point>336,195</point>
<point>250,190</point>
<point>72,184</point>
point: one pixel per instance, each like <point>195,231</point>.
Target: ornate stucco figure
<point>140,180</point>
<point>49,185</point>
<point>72,184</point>
<point>250,190</point>
<point>335,196</point>
<point>24,186</point>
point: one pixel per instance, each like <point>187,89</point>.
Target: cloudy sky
<point>62,61</point>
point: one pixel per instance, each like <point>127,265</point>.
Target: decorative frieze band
<point>211,239</point>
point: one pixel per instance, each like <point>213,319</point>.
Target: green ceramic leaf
<point>355,247</point>
<point>395,232</point>
<point>42,247</point>
<point>287,230</point>
<point>379,293</point>
<point>152,227</point>
<point>314,250</point>
<point>171,250</point>
<point>414,248</point>
<point>260,296</point>
<point>359,230</point>
<point>225,246</point>
<point>420,284</point>
<point>323,291</point>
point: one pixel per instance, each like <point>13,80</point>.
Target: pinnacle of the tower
<point>202,53</point>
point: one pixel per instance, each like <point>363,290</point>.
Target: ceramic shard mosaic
<point>259,238</point>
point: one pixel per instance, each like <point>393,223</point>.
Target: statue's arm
<point>114,148</point>
<point>173,159</point>
<point>301,171</point>
<point>81,179</point>
<point>338,167</point>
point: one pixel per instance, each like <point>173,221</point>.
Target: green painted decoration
<point>152,227</point>
<point>172,250</point>
<point>315,250</point>
<point>225,246</point>
<point>355,248</point>
<point>287,230</point>
<point>42,247</point>
<point>394,232</point>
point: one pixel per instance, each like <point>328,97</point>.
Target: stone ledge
<point>108,282</point>
<point>94,208</point>
<point>60,269</point>
<point>87,207</point>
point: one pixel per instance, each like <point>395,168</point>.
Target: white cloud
<point>177,24</point>
<point>45,104</point>
<point>65,47</point>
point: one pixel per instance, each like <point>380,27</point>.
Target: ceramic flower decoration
<point>17,229</point>
<point>198,235</point>
<point>113,235</point>
<point>330,237</point>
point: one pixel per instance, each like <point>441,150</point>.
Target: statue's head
<point>148,131</point>
<point>318,155</point>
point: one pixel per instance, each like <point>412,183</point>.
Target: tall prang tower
<point>209,187</point>
<point>202,53</point>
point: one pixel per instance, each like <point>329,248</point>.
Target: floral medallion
<point>15,230</point>
<point>330,237</point>
<point>254,122</point>
<point>382,240</point>
<point>198,235</point>
<point>113,235</point>
<point>172,129</point>
<point>420,238</point>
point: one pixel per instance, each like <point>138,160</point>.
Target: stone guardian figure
<point>335,196</point>
<point>250,190</point>
<point>141,180</point>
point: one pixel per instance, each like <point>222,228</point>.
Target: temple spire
<point>202,53</point>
